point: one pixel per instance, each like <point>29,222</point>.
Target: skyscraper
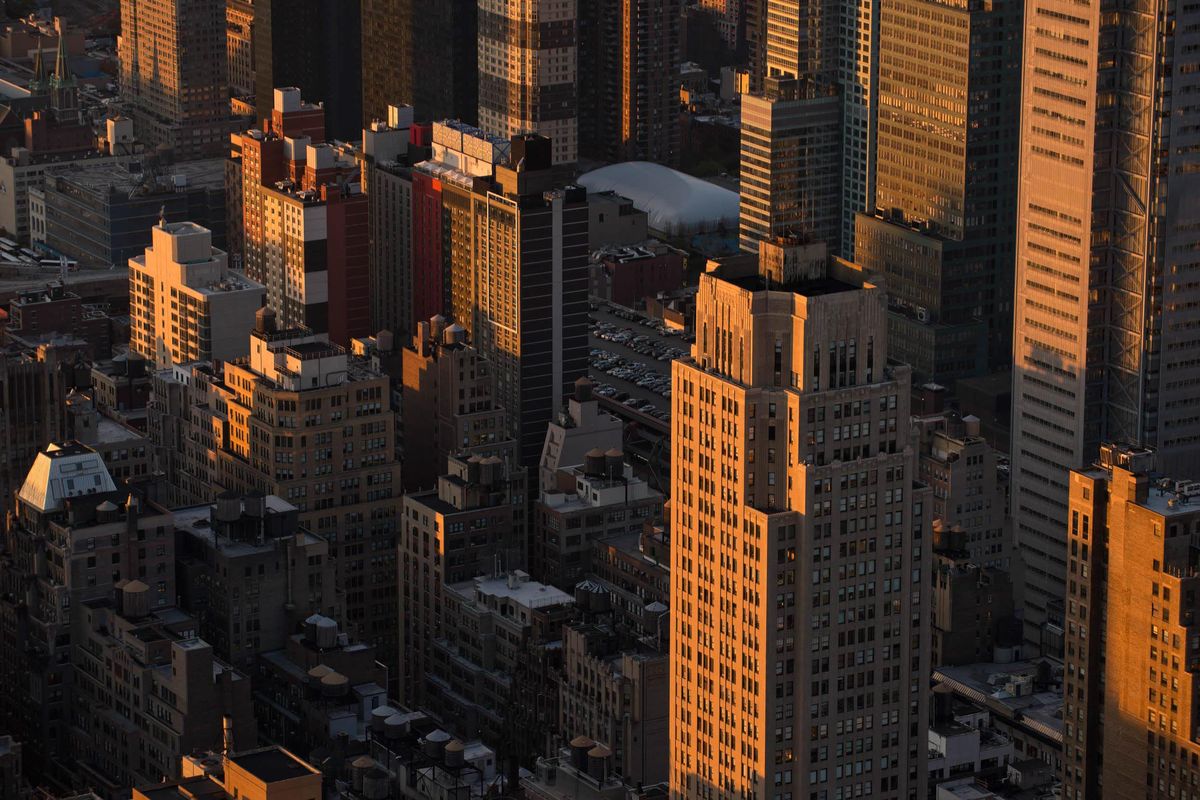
<point>629,88</point>
<point>945,194</point>
<point>502,246</point>
<point>313,45</point>
<point>530,312</point>
<point>1130,695</point>
<point>387,178</point>
<point>800,554</point>
<point>527,71</point>
<point>835,46</point>
<point>791,162</point>
<point>239,46</point>
<point>1106,300</point>
<point>431,58</point>
<point>173,60</point>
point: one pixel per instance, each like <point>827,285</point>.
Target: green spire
<point>62,69</point>
<point>38,85</point>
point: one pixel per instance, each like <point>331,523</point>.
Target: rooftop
<point>673,201</point>
<point>808,288</point>
<point>984,683</point>
<point>111,432</point>
<point>62,471</point>
<point>518,588</point>
<point>198,786</point>
<point>127,178</point>
<point>271,764</point>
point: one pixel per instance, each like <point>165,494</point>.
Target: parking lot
<point>631,360</point>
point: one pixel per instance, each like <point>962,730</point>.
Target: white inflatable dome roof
<point>675,202</point>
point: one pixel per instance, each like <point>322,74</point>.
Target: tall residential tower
<point>527,71</point>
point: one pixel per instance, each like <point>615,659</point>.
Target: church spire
<point>62,68</point>
<point>38,85</point>
<point>63,94</point>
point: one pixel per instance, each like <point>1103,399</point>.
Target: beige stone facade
<point>800,552</point>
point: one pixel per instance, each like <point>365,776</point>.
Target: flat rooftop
<point>808,288</point>
<point>207,173</point>
<point>528,593</point>
<point>198,786</point>
<point>984,684</point>
<point>272,764</point>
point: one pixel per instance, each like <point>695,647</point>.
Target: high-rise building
<point>1105,305</point>
<point>463,163</point>
<point>527,71</point>
<point>307,236</point>
<point>33,394</point>
<point>89,595</point>
<point>800,554</point>
<point>791,163</point>
<point>184,303</point>
<point>432,58</point>
<point>313,45</point>
<point>471,524</point>
<point>629,87</point>
<point>1130,708</point>
<point>387,179</point>
<point>448,398</point>
<point>506,255</point>
<point>530,314</point>
<point>172,55</point>
<point>945,186</point>
<point>239,47</point>
<point>832,48</point>
<point>302,420</point>
<point>249,574</point>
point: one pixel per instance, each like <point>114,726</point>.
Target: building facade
<point>387,179</point>
<point>945,196</point>
<point>184,303</point>
<point>249,574</point>
<point>307,228</point>
<point>101,214</point>
<point>448,396</point>
<point>629,99</point>
<point>1131,611</point>
<point>527,71</point>
<point>312,45</point>
<point>471,524</point>
<point>1109,262</point>
<point>443,83</point>
<point>799,551</point>
<point>593,500</point>
<point>173,74</point>
<point>791,151</point>
<point>302,420</point>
